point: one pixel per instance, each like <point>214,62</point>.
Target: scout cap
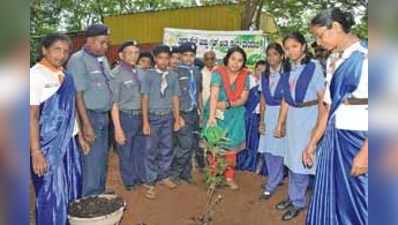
<point>97,30</point>
<point>175,49</point>
<point>162,49</point>
<point>126,44</point>
<point>188,47</point>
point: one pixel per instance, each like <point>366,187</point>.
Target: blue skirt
<point>339,198</point>
<point>247,159</point>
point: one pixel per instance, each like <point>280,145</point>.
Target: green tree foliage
<point>296,14</point>
<point>75,15</point>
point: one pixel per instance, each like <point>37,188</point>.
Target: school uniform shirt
<point>350,117</point>
<point>152,88</point>
<point>268,143</point>
<point>92,76</point>
<point>126,87</point>
<point>301,121</point>
<point>44,83</point>
<point>255,83</point>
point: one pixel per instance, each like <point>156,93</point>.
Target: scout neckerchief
<point>301,85</point>
<point>58,71</point>
<point>163,81</point>
<point>100,60</point>
<point>192,83</point>
<point>240,83</point>
<point>272,100</point>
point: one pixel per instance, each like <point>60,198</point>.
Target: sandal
<point>150,192</point>
<point>232,184</point>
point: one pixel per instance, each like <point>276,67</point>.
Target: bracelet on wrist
<point>228,104</point>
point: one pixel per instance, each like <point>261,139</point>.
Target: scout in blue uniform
<point>92,75</point>
<point>190,80</point>
<point>127,115</point>
<point>175,58</point>
<point>303,88</point>
<point>145,61</point>
<point>161,115</point>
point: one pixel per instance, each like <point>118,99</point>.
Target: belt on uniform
<point>97,111</point>
<point>356,101</point>
<point>188,111</point>
<point>308,104</point>
<point>133,112</point>
<point>160,113</point>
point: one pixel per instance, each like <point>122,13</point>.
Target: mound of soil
<point>95,206</point>
<point>184,205</point>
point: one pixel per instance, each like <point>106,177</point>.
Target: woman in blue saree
<point>341,184</point>
<point>55,156</point>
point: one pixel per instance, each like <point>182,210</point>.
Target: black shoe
<point>291,213</point>
<point>265,195</point>
<point>283,204</point>
<point>130,187</point>
<point>187,180</point>
<point>109,192</point>
<point>176,180</point>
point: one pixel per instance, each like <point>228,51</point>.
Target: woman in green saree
<point>228,94</point>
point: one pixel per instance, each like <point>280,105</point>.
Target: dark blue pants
<point>95,163</point>
<point>275,170</point>
<point>297,189</point>
<point>197,150</point>
<point>131,154</point>
<point>183,147</point>
<point>159,148</point>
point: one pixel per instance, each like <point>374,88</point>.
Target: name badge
<point>128,82</point>
<point>183,78</point>
<point>95,71</point>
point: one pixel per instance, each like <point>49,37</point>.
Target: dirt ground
<point>179,206</point>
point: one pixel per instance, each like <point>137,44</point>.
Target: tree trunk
<point>258,13</point>
<point>248,11</point>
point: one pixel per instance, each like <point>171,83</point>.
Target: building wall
<point>147,27</point>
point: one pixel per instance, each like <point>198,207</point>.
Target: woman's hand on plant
<point>222,105</point>
<point>212,122</point>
